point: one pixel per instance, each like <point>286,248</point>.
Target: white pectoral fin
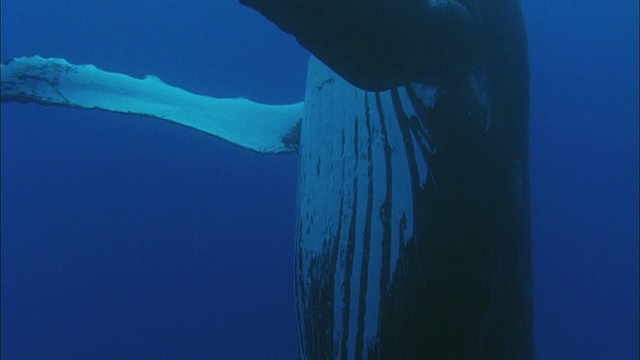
<point>259,127</point>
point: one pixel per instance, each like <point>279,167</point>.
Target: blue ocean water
<point>126,237</point>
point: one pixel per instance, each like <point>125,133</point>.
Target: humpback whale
<point>413,230</point>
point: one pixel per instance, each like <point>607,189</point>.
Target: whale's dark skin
<point>410,42</point>
<point>462,285</point>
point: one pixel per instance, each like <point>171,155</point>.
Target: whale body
<point>413,230</point>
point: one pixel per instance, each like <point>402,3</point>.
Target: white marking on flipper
<point>259,127</point>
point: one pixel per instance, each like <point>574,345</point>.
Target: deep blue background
<point>126,237</point>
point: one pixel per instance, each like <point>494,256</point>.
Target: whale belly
<point>390,262</point>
